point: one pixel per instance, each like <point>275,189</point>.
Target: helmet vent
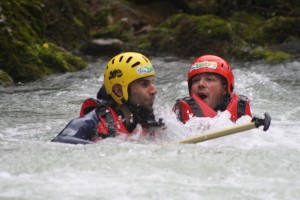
<point>128,60</point>
<point>145,59</point>
<point>135,64</point>
<point>120,58</point>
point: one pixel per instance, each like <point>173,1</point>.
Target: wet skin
<point>142,92</point>
<point>209,87</point>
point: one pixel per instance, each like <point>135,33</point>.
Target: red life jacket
<point>189,107</point>
<point>110,124</point>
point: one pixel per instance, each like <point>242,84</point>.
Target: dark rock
<point>100,47</point>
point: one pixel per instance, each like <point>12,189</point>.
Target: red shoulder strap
<point>118,124</point>
<point>189,107</point>
<point>233,107</point>
<point>109,125</point>
<point>206,109</point>
<point>183,111</point>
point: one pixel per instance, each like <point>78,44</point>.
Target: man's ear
<point>117,89</point>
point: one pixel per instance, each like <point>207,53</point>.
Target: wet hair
<point>104,96</point>
<point>224,83</point>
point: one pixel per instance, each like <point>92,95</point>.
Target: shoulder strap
<point>103,113</point>
<point>206,110</point>
<point>241,105</point>
<point>185,108</point>
<point>90,104</point>
<point>195,107</point>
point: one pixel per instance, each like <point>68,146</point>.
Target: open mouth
<point>202,96</point>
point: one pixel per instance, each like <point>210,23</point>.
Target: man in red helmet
<point>211,83</point>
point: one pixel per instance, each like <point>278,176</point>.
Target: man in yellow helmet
<point>124,101</point>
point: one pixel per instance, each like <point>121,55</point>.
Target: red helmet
<point>214,64</point>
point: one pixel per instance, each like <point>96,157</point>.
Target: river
<point>252,165</point>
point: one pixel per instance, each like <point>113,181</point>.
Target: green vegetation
<point>38,36</point>
<point>193,35</point>
<point>25,54</point>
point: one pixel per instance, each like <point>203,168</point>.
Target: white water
<point>250,165</point>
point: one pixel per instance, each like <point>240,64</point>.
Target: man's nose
<point>201,82</point>
<point>153,89</point>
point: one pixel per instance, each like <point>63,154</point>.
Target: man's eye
<point>210,78</point>
<point>145,83</point>
<point>195,80</point>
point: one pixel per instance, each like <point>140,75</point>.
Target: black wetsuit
<point>79,130</point>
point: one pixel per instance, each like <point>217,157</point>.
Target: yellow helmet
<point>123,69</point>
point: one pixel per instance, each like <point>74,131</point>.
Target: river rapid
<point>250,165</point>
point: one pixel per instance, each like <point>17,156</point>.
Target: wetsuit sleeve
<point>79,130</point>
